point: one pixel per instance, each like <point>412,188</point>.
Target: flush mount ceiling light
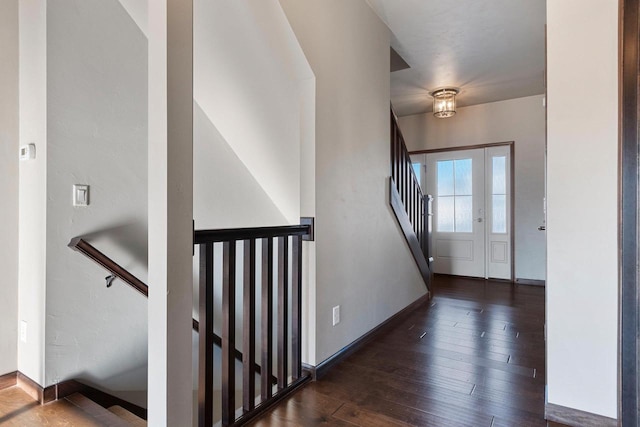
<point>444,102</point>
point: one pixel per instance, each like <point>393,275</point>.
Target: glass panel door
<point>456,181</point>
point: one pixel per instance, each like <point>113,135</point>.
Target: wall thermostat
<point>28,152</point>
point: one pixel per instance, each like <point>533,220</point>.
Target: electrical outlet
<point>336,315</point>
<point>23,331</point>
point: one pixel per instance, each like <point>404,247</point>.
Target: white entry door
<point>456,181</point>
<point>471,206</point>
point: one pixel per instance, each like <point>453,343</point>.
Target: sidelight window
<point>499,195</point>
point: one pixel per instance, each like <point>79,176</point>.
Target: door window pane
<point>499,195</point>
<point>499,172</point>
<point>446,212</point>
<point>464,214</point>
<point>463,180</point>
<point>499,217</point>
<point>445,178</point>
<point>455,201</point>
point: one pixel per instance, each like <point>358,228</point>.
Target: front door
<point>456,181</point>
<point>472,205</point>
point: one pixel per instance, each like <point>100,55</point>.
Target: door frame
<point>512,180</point>
<point>629,232</point>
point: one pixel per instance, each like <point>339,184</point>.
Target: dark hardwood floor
<point>472,356</point>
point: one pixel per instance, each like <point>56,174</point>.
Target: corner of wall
<point>9,173</point>
<point>32,191</point>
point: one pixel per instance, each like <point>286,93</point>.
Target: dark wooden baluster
<point>416,207</point>
<point>419,224</point>
<point>392,156</point>
<point>419,209</point>
<point>283,309</point>
<point>420,218</point>
<point>397,157</point>
<point>228,332</point>
<point>398,163</point>
<point>407,177</point>
<point>410,201</point>
<point>416,229</point>
<point>414,204</point>
<point>249,326</point>
<point>266,364</point>
<point>296,307</point>
<point>409,194</point>
<point>425,225</point>
<point>407,180</point>
<point>205,339</point>
<point>402,174</point>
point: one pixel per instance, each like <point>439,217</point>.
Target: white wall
<point>227,194</point>
<point>520,120</point>
<point>247,76</point>
<point>9,185</point>
<point>97,135</point>
<point>582,217</point>
<point>363,262</point>
<point>33,185</point>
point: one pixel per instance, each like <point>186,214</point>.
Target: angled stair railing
<point>408,202</point>
<point>282,297</point>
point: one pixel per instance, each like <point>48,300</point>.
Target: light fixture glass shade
<point>444,102</point>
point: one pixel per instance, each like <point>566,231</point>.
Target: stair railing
<point>283,297</point>
<point>287,301</point>
<point>408,202</point>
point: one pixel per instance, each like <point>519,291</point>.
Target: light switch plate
<point>27,152</point>
<point>336,315</point>
<point>80,195</point>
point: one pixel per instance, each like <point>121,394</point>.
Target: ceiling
<point>491,50</point>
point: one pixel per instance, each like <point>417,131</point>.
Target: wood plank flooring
<point>472,356</point>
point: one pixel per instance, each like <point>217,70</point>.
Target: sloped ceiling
<point>491,49</point>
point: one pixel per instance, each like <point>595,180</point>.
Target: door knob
<point>542,228</point>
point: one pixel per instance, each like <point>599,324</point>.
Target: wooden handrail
<point>225,235</point>
<point>82,246</point>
